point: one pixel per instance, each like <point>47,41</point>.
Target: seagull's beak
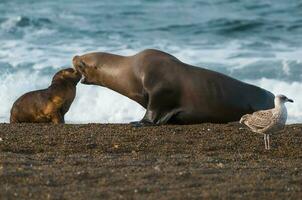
<point>290,100</point>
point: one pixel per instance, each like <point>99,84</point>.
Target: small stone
<point>135,190</point>
<point>209,129</point>
<point>220,165</point>
<point>1,139</point>
<point>157,168</point>
<point>116,146</point>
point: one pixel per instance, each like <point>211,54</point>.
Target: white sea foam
<point>14,85</point>
<point>101,105</point>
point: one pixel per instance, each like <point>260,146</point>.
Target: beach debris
<point>1,139</point>
<point>270,121</point>
<point>115,146</point>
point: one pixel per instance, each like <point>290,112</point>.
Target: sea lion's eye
<point>82,65</point>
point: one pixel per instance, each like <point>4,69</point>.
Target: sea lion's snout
<point>78,64</point>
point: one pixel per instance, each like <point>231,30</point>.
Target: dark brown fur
<point>173,91</point>
<point>47,105</point>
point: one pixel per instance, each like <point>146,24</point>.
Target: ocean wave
<point>285,70</point>
<point>228,26</point>
<point>219,26</point>
<point>12,24</point>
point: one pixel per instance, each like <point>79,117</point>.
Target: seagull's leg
<point>265,144</point>
<point>268,145</point>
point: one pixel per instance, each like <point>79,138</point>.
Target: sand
<point>103,161</point>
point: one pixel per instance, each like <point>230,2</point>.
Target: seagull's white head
<point>281,99</point>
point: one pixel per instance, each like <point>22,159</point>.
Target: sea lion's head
<point>68,74</point>
<point>88,66</point>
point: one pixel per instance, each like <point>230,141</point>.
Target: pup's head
<point>69,74</point>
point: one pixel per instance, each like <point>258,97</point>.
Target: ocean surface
<point>257,41</point>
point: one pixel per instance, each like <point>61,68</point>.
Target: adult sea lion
<point>172,91</point>
<point>48,105</point>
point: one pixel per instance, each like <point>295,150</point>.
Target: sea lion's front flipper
<point>153,118</point>
<point>141,123</point>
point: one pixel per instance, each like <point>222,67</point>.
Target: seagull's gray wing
<point>260,119</point>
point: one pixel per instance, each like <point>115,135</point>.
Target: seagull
<point>267,122</point>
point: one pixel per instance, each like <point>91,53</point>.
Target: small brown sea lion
<point>47,105</point>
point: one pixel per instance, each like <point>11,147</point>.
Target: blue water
<point>255,41</point>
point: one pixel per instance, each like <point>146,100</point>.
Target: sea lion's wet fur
<point>173,91</point>
<point>47,105</point>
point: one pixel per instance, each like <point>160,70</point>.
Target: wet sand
<point>100,161</point>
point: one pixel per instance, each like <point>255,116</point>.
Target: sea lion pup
<point>172,92</point>
<point>47,105</point>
